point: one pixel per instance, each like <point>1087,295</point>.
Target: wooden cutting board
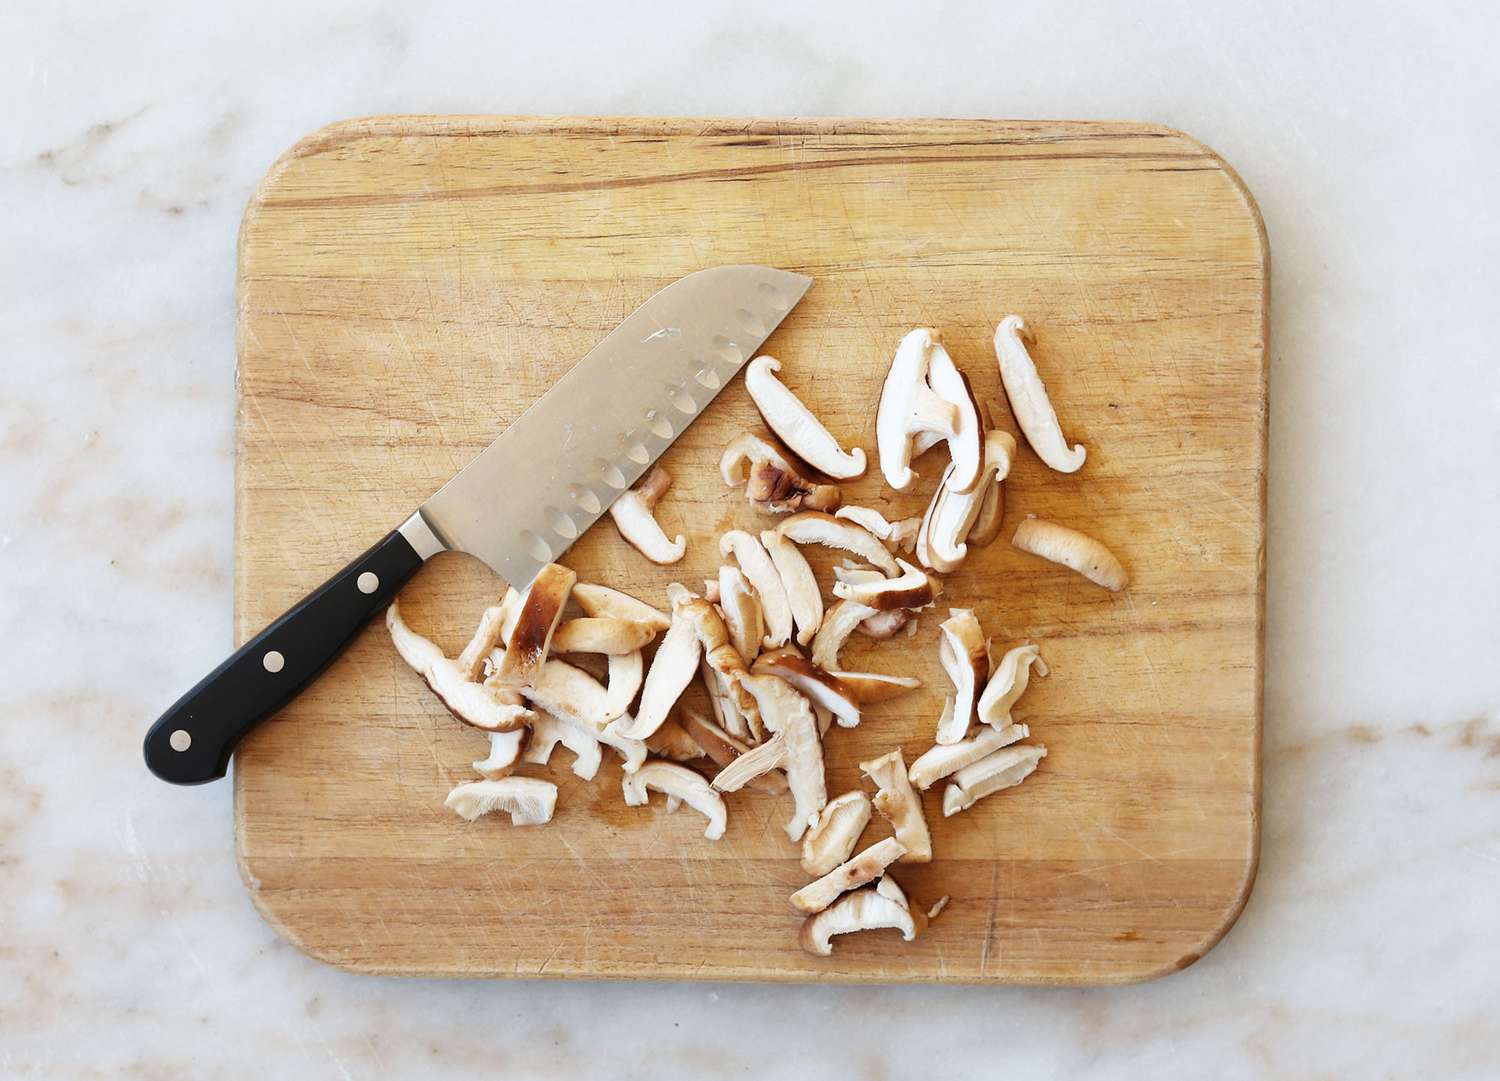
<point>408,285</point>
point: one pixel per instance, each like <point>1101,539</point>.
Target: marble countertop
<point>1370,946</point>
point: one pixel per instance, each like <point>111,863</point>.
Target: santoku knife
<point>517,506</point>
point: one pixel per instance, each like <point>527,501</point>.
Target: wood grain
<point>408,285</point>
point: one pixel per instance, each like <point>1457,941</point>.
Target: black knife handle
<point>193,740</point>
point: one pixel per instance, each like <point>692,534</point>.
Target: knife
<point>517,506</point>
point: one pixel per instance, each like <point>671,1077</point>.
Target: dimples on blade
<point>551,474</point>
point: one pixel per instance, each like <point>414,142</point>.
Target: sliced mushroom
<point>755,763</point>
<point>505,752</point>
<point>816,683</point>
<point>940,761</point>
<point>950,517</point>
<point>787,714</point>
<point>938,906</point>
<point>756,563</point>
<point>802,592</point>
<point>863,910</point>
<point>741,608</point>
<point>601,634</point>
<point>865,867</point>
<point>672,742</point>
<point>604,602</point>
<point>1006,768</point>
<point>883,625</point>
<point>987,522</point>
<point>834,833</point>
<point>486,636</point>
<point>772,483</point>
<point>1028,398</point>
<point>529,801</point>
<point>678,783</point>
<point>634,513</point>
<point>900,805</point>
<point>961,651</point>
<point>723,749</point>
<point>476,704</point>
<point>1012,675</point>
<point>914,588</point>
<point>722,657</point>
<point>910,407</point>
<point>626,673</point>
<point>548,731</point>
<point>966,444</point>
<point>671,670</point>
<point>1075,550</point>
<point>867,688</point>
<point>838,624</point>
<point>722,702</point>
<point>814,527</point>
<point>898,536</point>
<point>794,423</point>
<point>528,642</point>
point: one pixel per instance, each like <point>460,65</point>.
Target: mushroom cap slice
<point>1011,678</point>
<point>756,563</point>
<point>1005,768</point>
<point>529,640</point>
<point>787,714</point>
<point>914,588</point>
<point>856,871</point>
<point>816,683</point>
<point>723,749</point>
<point>961,650</point>
<point>671,670</point>
<point>602,601</point>
<point>942,760</point>
<point>1075,550</point>
<point>802,592</point>
<point>741,609</point>
<point>815,527</point>
<point>966,444</point>
<point>900,805</point>
<point>867,688</point>
<point>601,634</point>
<point>772,483</point>
<point>475,704</point>
<point>863,910</point>
<point>838,624</point>
<point>672,742</point>
<point>634,512</point>
<point>505,752</point>
<point>834,833</point>
<point>987,522</point>
<point>529,801</point>
<point>941,539</point>
<point>1028,398</point>
<point>681,783</point>
<point>883,625</point>
<point>548,731</point>
<point>795,424</point>
<point>626,673</point>
<point>910,407</point>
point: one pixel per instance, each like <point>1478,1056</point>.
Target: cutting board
<point>408,285</point>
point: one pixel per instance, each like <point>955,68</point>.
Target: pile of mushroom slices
<point>564,662</point>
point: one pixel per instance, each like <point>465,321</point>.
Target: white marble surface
<point>133,134</point>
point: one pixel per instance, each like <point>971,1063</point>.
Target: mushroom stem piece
<point>634,513</point>
<point>1072,549</point>
<point>1005,768</point>
<point>1028,398</point>
<point>796,425</point>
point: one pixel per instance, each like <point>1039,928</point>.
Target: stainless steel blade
<point>550,475</point>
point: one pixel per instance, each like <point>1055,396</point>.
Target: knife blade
<point>517,506</point>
